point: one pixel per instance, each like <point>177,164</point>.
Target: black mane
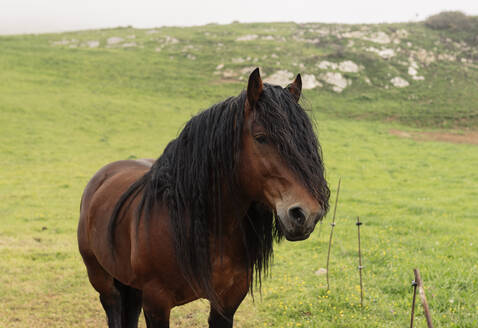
<point>194,167</point>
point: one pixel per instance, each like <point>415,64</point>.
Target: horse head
<point>281,157</point>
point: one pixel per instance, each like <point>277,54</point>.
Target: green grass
<point>66,112</point>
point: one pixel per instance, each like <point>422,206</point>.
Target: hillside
<point>72,102</point>
<point>409,72</point>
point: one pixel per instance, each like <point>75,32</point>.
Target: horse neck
<point>234,207</point>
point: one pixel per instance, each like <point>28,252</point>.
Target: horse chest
<point>225,273</point>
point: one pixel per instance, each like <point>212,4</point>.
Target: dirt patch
<point>470,137</point>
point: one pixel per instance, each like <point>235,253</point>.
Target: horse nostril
<point>297,214</point>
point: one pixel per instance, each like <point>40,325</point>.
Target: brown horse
<point>200,221</point>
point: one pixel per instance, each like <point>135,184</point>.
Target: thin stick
<point>332,232</point>
<point>360,267</point>
<point>320,228</point>
<point>423,298</point>
<point>414,284</point>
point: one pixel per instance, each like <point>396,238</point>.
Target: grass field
<point>65,112</point>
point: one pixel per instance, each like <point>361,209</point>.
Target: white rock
<point>447,57</point>
<point>326,65</point>
<point>188,47</point>
<point>268,37</point>
<point>152,32</point>
<point>132,36</point>
<point>399,82</point>
<point>129,45</point>
<point>247,70</point>
<point>281,77</point>
<point>229,74</point>
<point>413,63</point>
<point>248,37</point>
<point>170,40</point>
<point>379,37</point>
<point>313,41</point>
<point>191,57</point>
<point>423,56</point>
<point>238,60</point>
<point>384,53</point>
<point>412,71</point>
<point>348,66</point>
<point>355,35</point>
<point>321,271</point>
<point>301,39</point>
<point>337,80</point>
<point>322,31</point>
<point>220,66</point>
<point>114,40</point>
<point>310,82</point>
<point>401,33</point>
<point>93,44</point>
<point>60,43</point>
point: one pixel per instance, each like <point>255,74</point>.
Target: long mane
<point>190,175</point>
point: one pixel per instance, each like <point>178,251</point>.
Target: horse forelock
<point>292,130</point>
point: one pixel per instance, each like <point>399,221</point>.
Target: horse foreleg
<point>104,284</point>
<point>216,320</point>
<point>156,306</point>
<point>131,304</point>
<point>112,305</point>
<point>154,321</point>
<point>230,300</point>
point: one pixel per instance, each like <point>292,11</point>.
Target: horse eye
<point>262,139</point>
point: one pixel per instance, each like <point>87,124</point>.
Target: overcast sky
<point>39,16</point>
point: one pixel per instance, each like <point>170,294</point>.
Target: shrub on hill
<point>457,24</point>
<point>455,20</point>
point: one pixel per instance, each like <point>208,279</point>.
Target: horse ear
<point>295,88</point>
<point>254,88</point>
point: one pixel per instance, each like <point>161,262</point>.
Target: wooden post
<point>360,267</point>
<point>414,284</point>
<point>423,297</point>
<point>332,233</point>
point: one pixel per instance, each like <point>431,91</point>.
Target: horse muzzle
<point>297,223</point>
